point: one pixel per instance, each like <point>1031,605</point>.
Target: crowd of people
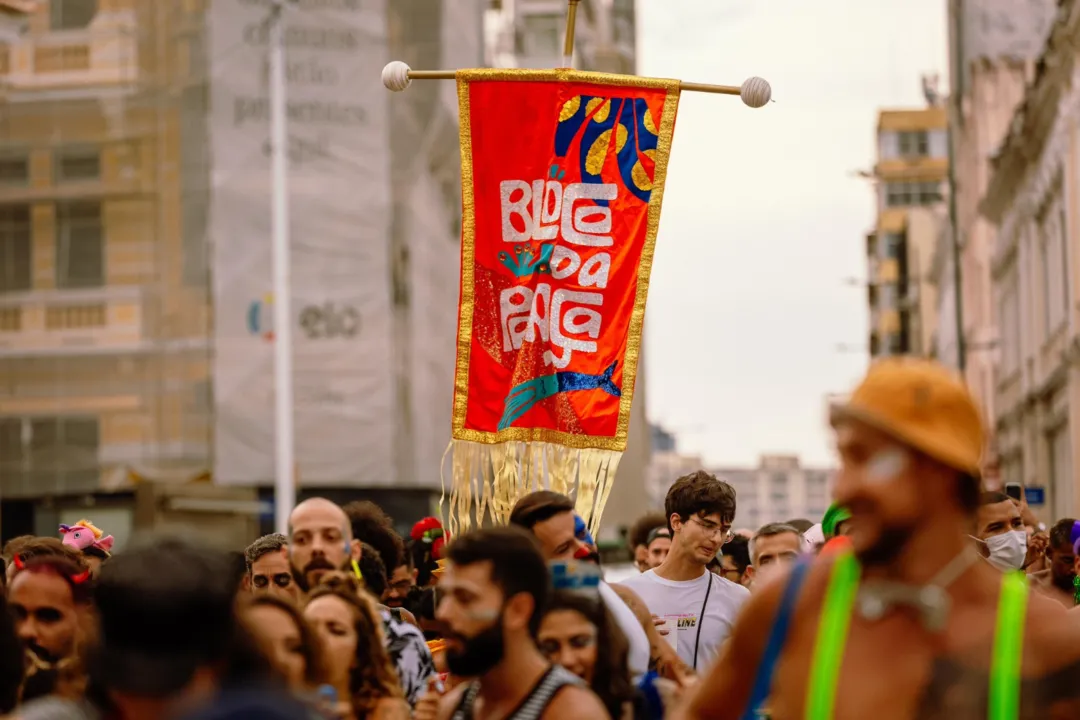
<point>919,594</point>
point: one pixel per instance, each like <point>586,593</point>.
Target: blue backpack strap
<point>652,705</point>
<point>777,638</point>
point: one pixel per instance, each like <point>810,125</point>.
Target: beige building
<point>777,490</point>
<point>909,174</point>
<point>104,353</point>
<point>994,45</point>
<point>666,465</point>
<point>110,319</point>
<point>1033,200</point>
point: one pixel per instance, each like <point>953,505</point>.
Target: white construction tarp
<point>340,206</point>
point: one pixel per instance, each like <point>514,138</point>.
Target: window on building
<point>71,14</point>
<point>1052,258</point>
<point>12,447</point>
<point>543,35</point>
<point>1061,478</point>
<point>201,398</point>
<point>894,246</point>
<point>915,143</point>
<point>1063,268</point>
<point>1009,315</point>
<point>14,169</point>
<point>909,194</point>
<point>623,15</point>
<point>52,445</point>
<point>80,245</point>
<point>16,244</point>
<point>78,164</point>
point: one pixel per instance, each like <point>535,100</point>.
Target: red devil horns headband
<point>79,579</point>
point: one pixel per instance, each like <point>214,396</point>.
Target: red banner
<point>563,176</point>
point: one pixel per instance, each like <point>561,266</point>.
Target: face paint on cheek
<point>886,465</point>
<point>483,615</point>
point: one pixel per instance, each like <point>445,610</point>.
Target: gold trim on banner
<point>637,317</point>
<point>487,480</point>
<point>468,261</point>
<point>617,443</point>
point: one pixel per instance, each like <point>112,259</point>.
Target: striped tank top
<point>533,706</point>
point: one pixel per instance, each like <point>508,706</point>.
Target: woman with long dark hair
<point>578,633</point>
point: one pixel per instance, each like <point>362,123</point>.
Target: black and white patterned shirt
<point>410,655</point>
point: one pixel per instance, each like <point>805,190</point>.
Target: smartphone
<point>1015,491</point>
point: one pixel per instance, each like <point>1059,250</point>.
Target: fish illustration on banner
<point>562,182</point>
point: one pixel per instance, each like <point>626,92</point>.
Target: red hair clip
<point>19,564</point>
<point>80,578</point>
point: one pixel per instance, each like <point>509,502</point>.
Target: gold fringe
<point>488,479</point>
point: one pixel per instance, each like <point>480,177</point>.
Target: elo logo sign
<point>317,322</point>
<point>327,321</point>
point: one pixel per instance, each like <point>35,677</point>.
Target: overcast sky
<point>762,220</point>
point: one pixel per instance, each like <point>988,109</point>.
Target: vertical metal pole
<point>284,488</point>
<point>954,123</point>
<point>571,23</point>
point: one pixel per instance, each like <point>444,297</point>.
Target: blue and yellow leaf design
<point>601,122</point>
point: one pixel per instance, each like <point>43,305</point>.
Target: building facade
<point>993,47</point>
<point>666,465</point>
<point>111,315</point>
<point>777,490</point>
<point>531,34</point>
<point>1033,199</point>
<point>909,174</point>
<point>104,350</point>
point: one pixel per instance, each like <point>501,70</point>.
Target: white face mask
<point>1008,550</point>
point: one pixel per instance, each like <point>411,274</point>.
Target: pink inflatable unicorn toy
<point>84,534</point>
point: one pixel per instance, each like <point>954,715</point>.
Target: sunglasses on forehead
<point>282,580</point>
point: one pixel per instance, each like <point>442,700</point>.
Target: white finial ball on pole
<point>755,92</point>
<point>395,76</point>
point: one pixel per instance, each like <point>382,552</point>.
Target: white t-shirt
<point>638,659</point>
<point>684,599</point>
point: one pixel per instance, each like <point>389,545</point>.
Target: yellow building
<point>104,306</point>
<point>910,174</point>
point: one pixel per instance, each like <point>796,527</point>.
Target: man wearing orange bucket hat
<point>904,619</point>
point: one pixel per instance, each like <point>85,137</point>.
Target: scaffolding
<point>107,326</point>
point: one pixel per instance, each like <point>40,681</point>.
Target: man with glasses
<point>696,607</point>
<point>733,562</point>
<point>268,568</point>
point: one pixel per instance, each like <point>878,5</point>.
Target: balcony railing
<point>70,59</point>
<point>62,322</point>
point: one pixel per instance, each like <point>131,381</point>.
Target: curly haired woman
<point>356,660</point>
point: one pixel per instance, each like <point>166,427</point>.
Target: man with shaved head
<point>320,541</point>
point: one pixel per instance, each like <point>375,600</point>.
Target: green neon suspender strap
<point>836,619</point>
<point>832,637</point>
<point>1008,648</point>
